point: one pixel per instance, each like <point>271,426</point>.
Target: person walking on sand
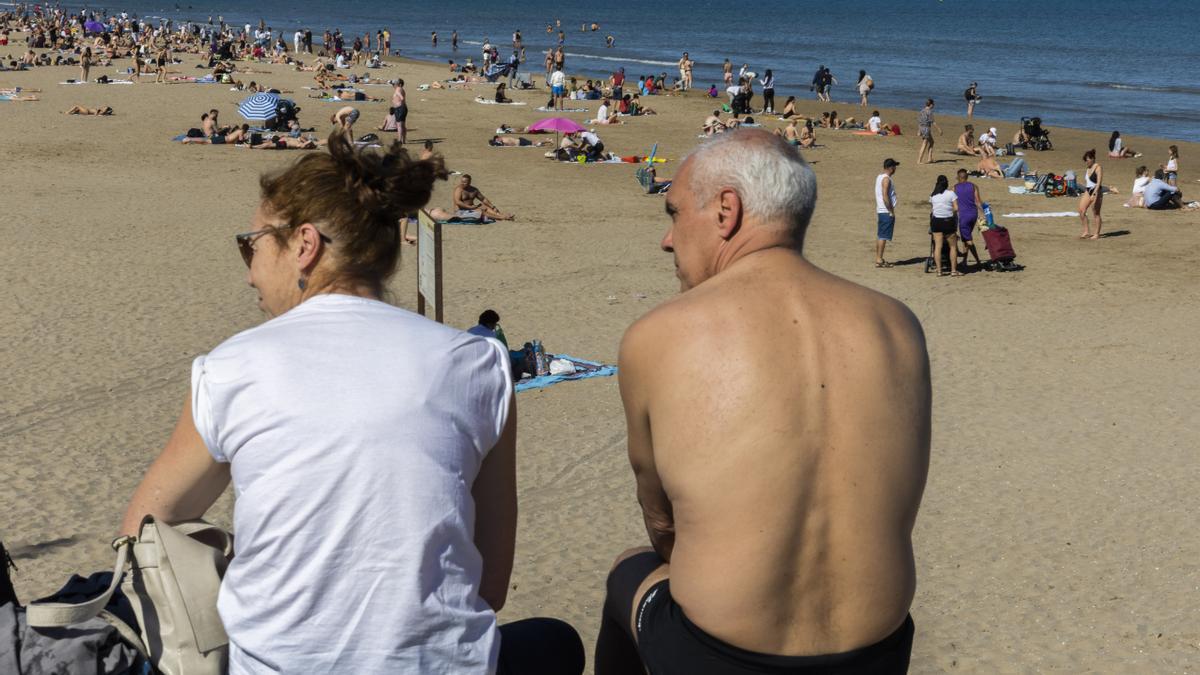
<point>558,81</point>
<point>768,85</point>
<point>727,71</point>
<point>865,85</point>
<point>839,436</point>
<point>400,110</point>
<point>972,97</point>
<point>943,225</point>
<point>885,210</point>
<point>1093,195</point>
<point>685,72</point>
<point>85,64</point>
<point>925,128</point>
<point>970,205</point>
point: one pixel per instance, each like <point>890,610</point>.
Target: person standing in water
<point>972,97</point>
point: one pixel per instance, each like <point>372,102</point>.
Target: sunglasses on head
<point>245,240</point>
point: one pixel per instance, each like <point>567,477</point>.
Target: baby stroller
<point>1039,138</point>
<point>1000,250</point>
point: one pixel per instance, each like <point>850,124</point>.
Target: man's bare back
<point>779,422</point>
<point>791,441</point>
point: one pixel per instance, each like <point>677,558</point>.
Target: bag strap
<point>222,538</point>
<point>58,614</point>
<point>126,632</point>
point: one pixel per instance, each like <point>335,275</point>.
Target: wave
<point>1143,87</point>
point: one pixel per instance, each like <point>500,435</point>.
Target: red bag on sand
<point>895,131</point>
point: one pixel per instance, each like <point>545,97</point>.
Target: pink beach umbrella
<point>559,125</point>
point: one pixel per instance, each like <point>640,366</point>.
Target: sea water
<point>1094,64</point>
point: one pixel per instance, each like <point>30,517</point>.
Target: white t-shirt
<point>943,204</point>
<point>355,431</point>
<point>602,113</point>
<point>874,124</point>
<point>557,78</point>
<point>1139,184</point>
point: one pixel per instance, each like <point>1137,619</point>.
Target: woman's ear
<point>308,243</point>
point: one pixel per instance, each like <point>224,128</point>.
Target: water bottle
<point>987,214</point>
<point>540,365</point>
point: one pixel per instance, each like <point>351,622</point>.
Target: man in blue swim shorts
<point>885,210</point>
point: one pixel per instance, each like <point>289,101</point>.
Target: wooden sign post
<point>429,265</point>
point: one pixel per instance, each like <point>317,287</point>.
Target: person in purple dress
<point>969,208</point>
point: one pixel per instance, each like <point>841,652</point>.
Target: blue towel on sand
<point>547,380</point>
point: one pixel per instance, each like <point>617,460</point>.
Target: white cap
<point>993,130</point>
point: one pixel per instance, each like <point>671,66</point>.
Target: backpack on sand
<point>174,575</point>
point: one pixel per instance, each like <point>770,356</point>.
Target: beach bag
<point>172,582</point>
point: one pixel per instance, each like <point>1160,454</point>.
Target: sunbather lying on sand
<point>80,110</point>
<point>288,143</point>
<point>514,141</point>
<point>236,135</point>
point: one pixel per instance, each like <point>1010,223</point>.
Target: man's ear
<point>729,212</point>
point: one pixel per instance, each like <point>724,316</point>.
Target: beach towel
<point>564,110</point>
<point>1044,214</point>
<point>489,101</point>
<point>1019,190</point>
<point>584,369</point>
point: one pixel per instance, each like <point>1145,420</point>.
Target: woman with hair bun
<point>372,451</point>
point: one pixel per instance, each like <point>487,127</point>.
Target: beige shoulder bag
<point>172,583</point>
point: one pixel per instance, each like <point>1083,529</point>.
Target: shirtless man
<point>685,72</point>
<point>400,110</point>
<point>779,485</point>
<point>469,202</point>
<point>713,123</point>
<point>344,120</point>
<point>966,142</point>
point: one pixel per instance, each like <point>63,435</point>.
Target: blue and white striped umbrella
<point>261,106</point>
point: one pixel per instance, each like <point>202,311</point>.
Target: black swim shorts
<point>669,643</point>
<point>400,112</point>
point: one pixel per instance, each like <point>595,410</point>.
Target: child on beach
<point>1171,168</point>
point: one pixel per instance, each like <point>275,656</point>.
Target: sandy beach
<point>1056,528</point>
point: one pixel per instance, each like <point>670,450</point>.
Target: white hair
<point>773,181</point>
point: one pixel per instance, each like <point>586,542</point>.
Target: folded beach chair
<point>647,182</point>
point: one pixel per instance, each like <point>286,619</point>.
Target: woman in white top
<point>943,225</point>
<point>865,85</point>
<point>1138,193</point>
<point>371,451</point>
<point>1117,149</point>
<point>1171,168</point>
